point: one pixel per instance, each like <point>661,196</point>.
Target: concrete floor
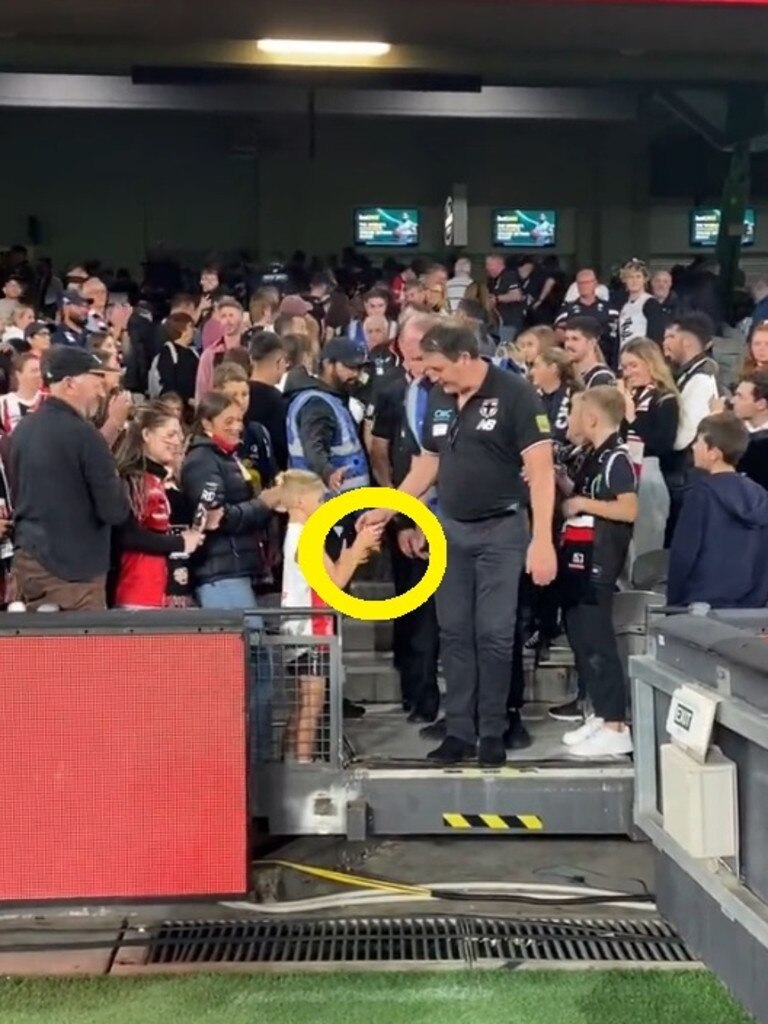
<point>599,863</point>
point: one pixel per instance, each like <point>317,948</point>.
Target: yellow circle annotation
<point>312,545</point>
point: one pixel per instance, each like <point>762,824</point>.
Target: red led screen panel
<point>123,766</point>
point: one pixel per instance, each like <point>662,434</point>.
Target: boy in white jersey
<point>302,494</point>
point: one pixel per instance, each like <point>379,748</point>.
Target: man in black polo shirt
<point>507,297</point>
<point>605,314</point>
<point>399,412</point>
<point>484,430</point>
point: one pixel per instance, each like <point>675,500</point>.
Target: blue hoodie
<point>719,552</point>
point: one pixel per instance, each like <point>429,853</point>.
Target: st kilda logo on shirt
<point>489,409</point>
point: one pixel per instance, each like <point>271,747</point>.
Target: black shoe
<point>407,706</point>
<point>517,736</point>
<point>492,753</point>
<point>436,731</point>
<point>422,717</point>
<point>350,710</point>
<point>543,653</point>
<point>452,751</point>
<point>573,711</point>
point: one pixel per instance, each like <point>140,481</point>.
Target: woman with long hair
<point>231,562</point>
<point>533,341</point>
<point>144,461</point>
<point>555,378</point>
<point>650,427</point>
<point>757,352</point>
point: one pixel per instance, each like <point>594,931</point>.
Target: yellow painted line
<point>456,821</point>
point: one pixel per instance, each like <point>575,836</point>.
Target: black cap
<point>72,297</point>
<point>37,328</point>
<point>64,361</point>
<point>344,350</point>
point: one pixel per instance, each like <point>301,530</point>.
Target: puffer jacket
<point>235,549</point>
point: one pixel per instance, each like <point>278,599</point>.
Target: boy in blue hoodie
<point>719,552</point>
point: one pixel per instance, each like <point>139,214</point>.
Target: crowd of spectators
<point>146,433</point>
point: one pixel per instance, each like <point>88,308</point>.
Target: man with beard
<point>68,493</point>
<point>74,317</point>
<point>322,434</point>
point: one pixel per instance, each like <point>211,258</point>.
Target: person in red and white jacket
<point>301,494</point>
<point>28,394</point>
<point>145,542</point>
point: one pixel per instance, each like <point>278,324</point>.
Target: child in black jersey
<point>599,518</point>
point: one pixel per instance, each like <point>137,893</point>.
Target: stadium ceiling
<point>498,42</point>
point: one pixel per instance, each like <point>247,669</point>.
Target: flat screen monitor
<point>524,229</point>
<point>395,227</point>
<point>705,225</point>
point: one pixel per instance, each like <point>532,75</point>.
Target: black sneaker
<point>437,731</point>
<point>423,716</point>
<point>517,736</point>
<point>571,712</point>
<point>491,753</point>
<point>452,751</point>
<point>350,710</point>
<point>532,643</point>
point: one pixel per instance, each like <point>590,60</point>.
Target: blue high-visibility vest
<point>346,452</point>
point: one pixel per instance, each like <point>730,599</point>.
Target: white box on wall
<point>699,802</point>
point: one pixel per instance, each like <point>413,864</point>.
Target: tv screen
<point>394,227</point>
<point>524,229</point>
<point>705,225</point>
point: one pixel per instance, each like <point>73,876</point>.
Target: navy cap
<point>38,327</point>
<point>64,361</point>
<point>344,350</point>
<point>72,297</point>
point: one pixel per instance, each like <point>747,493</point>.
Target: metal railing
<point>296,688</point>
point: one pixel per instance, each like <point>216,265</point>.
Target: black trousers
<point>678,484</point>
<point>590,633</point>
<point>416,638</point>
<point>477,613</point>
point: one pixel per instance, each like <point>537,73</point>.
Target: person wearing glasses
<point>486,444</point>
<point>68,493</point>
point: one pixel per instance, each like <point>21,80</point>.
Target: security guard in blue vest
<point>322,433</point>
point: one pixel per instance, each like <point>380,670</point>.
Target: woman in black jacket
<point>231,560</point>
<point>226,567</point>
<point>650,428</point>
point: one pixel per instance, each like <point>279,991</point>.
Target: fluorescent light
<point>322,48</point>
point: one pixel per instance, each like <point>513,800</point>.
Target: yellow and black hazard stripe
<point>493,822</point>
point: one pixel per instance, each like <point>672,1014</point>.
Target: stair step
<point>373,589</point>
<point>366,636</point>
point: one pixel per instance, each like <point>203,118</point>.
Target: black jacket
<point>755,461</point>
<point>234,550</point>
<point>67,494</point>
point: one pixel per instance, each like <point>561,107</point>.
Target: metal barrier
<point>296,698</point>
<point>708,827</point>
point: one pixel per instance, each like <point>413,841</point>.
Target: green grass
<point>589,997</point>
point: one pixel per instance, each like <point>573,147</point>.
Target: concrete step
<point>358,635</point>
<point>371,677</point>
<point>373,589</point>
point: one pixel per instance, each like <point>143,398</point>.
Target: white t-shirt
<point>297,593</point>
<point>632,319</point>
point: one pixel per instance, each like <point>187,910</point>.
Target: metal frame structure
<point>719,907</point>
<point>337,795</point>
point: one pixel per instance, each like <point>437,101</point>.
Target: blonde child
<point>301,494</point>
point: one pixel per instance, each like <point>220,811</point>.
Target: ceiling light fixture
<point>322,48</point>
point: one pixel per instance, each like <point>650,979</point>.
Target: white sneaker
<point>604,742</point>
<point>583,732</point>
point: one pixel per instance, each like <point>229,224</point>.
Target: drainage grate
<point>463,940</point>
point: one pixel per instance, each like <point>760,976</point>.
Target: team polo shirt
<point>481,446</point>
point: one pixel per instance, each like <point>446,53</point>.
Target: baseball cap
<point>38,327</point>
<point>294,305</point>
<point>343,350</point>
<point>72,297</point>
<point>62,362</point>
